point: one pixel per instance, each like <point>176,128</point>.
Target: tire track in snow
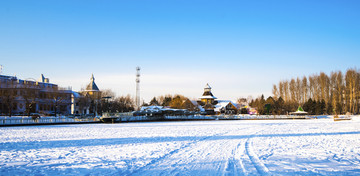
<point>234,164</point>
<point>244,161</point>
<point>260,167</point>
<point>169,154</point>
<point>192,158</point>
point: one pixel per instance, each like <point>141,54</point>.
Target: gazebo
<point>299,111</point>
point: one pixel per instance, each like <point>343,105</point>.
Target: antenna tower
<point>1,68</point>
<point>137,100</point>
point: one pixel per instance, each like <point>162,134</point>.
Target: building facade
<point>24,97</point>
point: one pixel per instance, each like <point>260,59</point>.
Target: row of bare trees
<point>114,104</point>
<point>340,92</point>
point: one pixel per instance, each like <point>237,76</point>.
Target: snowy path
<point>299,147</point>
<point>199,155</point>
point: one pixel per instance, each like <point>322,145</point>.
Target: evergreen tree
<point>329,108</point>
<point>318,109</point>
<point>154,102</point>
<point>309,106</point>
<point>167,101</point>
<point>243,111</point>
<point>270,105</point>
<point>279,108</point>
<point>322,106</point>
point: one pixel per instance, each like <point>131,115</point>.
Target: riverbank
<point>28,121</point>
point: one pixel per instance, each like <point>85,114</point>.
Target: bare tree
<point>298,91</point>
<point>351,92</point>
<point>29,94</point>
<point>125,103</point>
<point>84,102</point>
<point>312,88</point>
<point>281,89</point>
<point>275,91</point>
<point>249,99</point>
<point>324,86</point>
<point>340,91</point>
<point>108,93</point>
<point>304,88</point>
<point>286,91</point>
<point>335,93</point>
<point>60,99</point>
<point>292,87</point>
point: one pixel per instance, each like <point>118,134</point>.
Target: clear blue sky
<point>240,48</point>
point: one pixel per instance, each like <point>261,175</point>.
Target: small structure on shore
<point>347,116</point>
<point>299,111</point>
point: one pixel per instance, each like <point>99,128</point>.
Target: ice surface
<point>243,147</point>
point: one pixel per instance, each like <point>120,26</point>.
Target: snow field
<point>243,147</point>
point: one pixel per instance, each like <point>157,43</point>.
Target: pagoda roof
<point>207,93</point>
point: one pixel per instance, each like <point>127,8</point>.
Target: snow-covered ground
<point>242,147</point>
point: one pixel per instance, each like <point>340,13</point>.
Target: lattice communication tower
<point>137,100</point>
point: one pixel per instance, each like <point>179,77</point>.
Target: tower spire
<point>92,77</point>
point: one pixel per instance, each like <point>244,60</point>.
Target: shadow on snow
<point>135,140</point>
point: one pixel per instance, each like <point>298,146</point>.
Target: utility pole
<point>137,100</point>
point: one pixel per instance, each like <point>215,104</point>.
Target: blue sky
<point>240,48</point>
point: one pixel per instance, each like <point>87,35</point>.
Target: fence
<point>4,121</point>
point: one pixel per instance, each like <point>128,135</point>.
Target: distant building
<point>207,101</point>
<point>92,89</point>
<point>23,97</point>
<point>88,101</point>
<point>207,97</point>
<point>210,105</point>
<point>226,107</point>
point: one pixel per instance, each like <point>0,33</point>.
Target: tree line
<point>336,93</point>
<point>176,101</point>
<point>126,103</point>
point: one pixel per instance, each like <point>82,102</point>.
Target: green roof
<point>300,108</point>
